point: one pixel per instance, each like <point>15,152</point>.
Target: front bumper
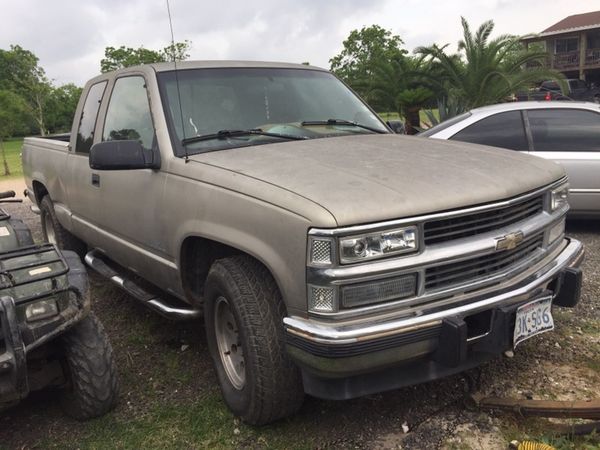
<point>18,337</point>
<point>345,360</point>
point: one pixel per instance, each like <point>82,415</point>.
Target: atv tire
<point>92,381</point>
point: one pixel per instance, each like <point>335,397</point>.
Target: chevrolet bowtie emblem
<point>509,241</point>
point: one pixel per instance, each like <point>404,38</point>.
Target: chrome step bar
<point>94,259</point>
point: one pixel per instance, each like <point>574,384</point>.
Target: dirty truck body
<point>374,260</point>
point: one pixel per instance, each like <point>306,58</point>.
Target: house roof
<point>576,22</point>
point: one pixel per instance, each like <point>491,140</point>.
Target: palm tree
<point>486,71</point>
<point>401,83</point>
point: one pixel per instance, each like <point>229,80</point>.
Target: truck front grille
<point>480,267</point>
<point>437,231</point>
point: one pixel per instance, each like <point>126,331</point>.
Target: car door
<point>571,137</point>
<point>123,208</point>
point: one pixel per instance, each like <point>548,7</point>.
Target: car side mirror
<point>396,125</point>
<point>123,155</point>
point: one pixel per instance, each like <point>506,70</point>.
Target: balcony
<point>592,58</point>
<point>567,60</point>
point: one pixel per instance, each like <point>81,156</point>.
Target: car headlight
<point>559,197</point>
<point>378,245</point>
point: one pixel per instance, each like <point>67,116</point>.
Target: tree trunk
<point>40,114</point>
<point>4,161</point>
<point>413,121</point>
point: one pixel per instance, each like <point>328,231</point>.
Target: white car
<point>565,132</point>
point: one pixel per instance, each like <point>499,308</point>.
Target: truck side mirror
<point>122,155</point>
<point>396,125</point>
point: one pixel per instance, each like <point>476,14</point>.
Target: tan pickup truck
<point>326,254</point>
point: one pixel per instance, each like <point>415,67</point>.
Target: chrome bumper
<point>416,333</point>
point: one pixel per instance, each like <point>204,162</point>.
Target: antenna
<point>187,158</point>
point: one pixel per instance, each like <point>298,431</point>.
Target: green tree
<point>12,113</point>
<point>117,58</point>
<point>402,86</point>
<point>362,51</point>
<point>486,71</point>
<point>61,107</point>
<point>21,74</point>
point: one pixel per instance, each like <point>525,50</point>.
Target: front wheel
<point>92,382</point>
<point>244,325</point>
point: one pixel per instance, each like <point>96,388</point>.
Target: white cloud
<point>69,36</point>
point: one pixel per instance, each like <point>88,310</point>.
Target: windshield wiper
<point>224,134</point>
<point>341,122</point>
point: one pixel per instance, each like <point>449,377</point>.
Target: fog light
<point>379,291</point>
<point>556,231</point>
<point>321,299</point>
<point>41,309</point>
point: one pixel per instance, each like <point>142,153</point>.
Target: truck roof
<point>216,64</point>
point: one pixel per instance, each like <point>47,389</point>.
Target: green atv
<point>48,335</point>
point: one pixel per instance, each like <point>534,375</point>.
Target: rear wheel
<point>55,233</point>
<point>92,382</point>
<point>244,325</point>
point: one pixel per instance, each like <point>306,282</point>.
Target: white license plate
<point>533,318</point>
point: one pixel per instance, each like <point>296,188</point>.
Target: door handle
<point>95,180</point>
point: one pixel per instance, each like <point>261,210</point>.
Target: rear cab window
<point>89,116</point>
<point>504,130</point>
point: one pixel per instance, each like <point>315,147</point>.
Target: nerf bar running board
<point>95,261</point>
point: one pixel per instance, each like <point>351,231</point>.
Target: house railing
<point>592,57</point>
<point>566,60</point>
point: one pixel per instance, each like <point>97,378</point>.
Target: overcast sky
<point>69,36</point>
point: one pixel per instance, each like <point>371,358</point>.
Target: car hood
<point>369,178</point>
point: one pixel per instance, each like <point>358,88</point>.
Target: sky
<point>69,36</point>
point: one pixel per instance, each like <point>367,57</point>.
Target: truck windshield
<point>301,103</point>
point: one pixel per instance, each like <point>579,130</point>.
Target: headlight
<point>42,309</point>
<point>559,197</point>
<point>378,245</point>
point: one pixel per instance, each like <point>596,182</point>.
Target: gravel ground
<point>163,363</point>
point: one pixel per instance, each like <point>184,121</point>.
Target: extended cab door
<point>123,215</point>
<point>571,137</point>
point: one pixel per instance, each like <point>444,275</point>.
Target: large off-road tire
<point>55,233</point>
<point>92,382</point>
<point>244,325</point>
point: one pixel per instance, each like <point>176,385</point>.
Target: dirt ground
<point>169,396</point>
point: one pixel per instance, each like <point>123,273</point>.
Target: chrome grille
<point>437,231</point>
<point>480,267</point>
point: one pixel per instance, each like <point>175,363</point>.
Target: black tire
<point>92,382</point>
<point>54,232</point>
<point>272,388</point>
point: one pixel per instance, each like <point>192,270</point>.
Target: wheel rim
<point>228,343</point>
<point>49,229</point>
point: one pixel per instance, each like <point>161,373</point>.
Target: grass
<point>12,149</point>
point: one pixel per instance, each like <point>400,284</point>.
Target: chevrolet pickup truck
<point>326,254</point>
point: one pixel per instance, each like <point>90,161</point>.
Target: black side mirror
<point>396,125</point>
<point>122,155</point>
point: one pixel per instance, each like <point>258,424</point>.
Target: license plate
<point>533,318</point>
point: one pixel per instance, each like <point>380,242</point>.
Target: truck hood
<point>369,178</point>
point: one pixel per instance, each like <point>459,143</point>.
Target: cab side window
<point>128,115</point>
<point>564,130</point>
<point>500,130</point>
<point>89,115</point>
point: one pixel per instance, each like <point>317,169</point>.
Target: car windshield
<point>301,103</point>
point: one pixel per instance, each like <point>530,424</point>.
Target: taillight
<point>548,96</point>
